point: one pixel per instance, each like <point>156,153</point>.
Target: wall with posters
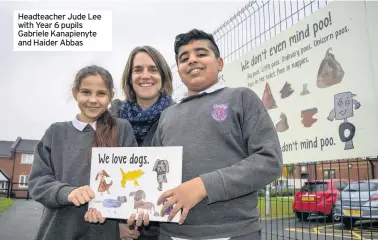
<point>317,82</point>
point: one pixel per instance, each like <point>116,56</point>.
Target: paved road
<point>316,229</point>
<point>21,221</point>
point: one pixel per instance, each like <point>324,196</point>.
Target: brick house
<point>6,165</point>
<point>4,183</point>
<point>16,159</point>
<point>357,169</point>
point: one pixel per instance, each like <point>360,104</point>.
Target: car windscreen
<point>315,187</point>
<point>362,187</point>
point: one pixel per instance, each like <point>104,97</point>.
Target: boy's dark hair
<point>195,34</point>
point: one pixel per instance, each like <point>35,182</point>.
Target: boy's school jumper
<point>61,164</point>
<point>230,142</point>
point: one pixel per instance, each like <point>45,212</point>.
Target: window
<point>27,158</point>
<point>304,176</point>
<point>362,187</point>
<point>329,173</point>
<point>23,181</point>
<point>3,187</point>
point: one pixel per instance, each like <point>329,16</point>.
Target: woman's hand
<point>131,229</point>
<point>126,231</point>
<point>142,219</point>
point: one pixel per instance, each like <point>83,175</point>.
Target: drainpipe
<point>13,158</point>
<point>316,171</point>
<point>372,167</point>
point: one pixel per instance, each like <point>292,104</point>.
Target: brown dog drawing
<point>139,203</point>
<point>105,181</point>
<point>161,167</point>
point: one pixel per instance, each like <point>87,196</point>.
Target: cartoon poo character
<point>162,168</point>
<point>343,109</point>
<point>282,125</point>
<point>308,117</point>
<point>330,71</point>
<point>305,90</point>
<point>139,203</point>
<point>104,182</point>
<point>286,90</point>
<point>268,99</point>
<point>131,176</point>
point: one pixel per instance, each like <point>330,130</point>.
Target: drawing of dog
<point>131,176</point>
<point>105,182</point>
<point>161,167</point>
<point>139,197</point>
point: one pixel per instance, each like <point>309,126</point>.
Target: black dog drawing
<point>161,167</point>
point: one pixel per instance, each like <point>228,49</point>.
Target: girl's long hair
<point>106,124</point>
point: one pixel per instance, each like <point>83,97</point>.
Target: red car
<point>318,198</point>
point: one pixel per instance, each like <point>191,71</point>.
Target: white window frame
<point>3,186</point>
<point>331,172</point>
<point>23,181</point>
<point>27,158</point>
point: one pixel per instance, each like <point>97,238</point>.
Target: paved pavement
<point>316,228</point>
<point>21,221</point>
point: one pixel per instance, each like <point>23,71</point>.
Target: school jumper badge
<point>219,112</point>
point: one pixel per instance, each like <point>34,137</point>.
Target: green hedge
<point>278,193</point>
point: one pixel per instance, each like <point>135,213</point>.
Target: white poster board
<point>316,81</point>
<point>128,179</point>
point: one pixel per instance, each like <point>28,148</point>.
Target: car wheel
<point>333,216</point>
<point>302,215</point>
<point>336,218</point>
<point>348,222</point>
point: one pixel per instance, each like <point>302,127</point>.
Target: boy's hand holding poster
<point>128,180</point>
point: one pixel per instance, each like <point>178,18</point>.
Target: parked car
<point>318,198</point>
<point>358,201</point>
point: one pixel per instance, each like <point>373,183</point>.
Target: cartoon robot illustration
<point>162,168</point>
<point>105,182</point>
<point>343,109</point>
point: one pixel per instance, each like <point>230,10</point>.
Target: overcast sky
<point>36,86</point>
